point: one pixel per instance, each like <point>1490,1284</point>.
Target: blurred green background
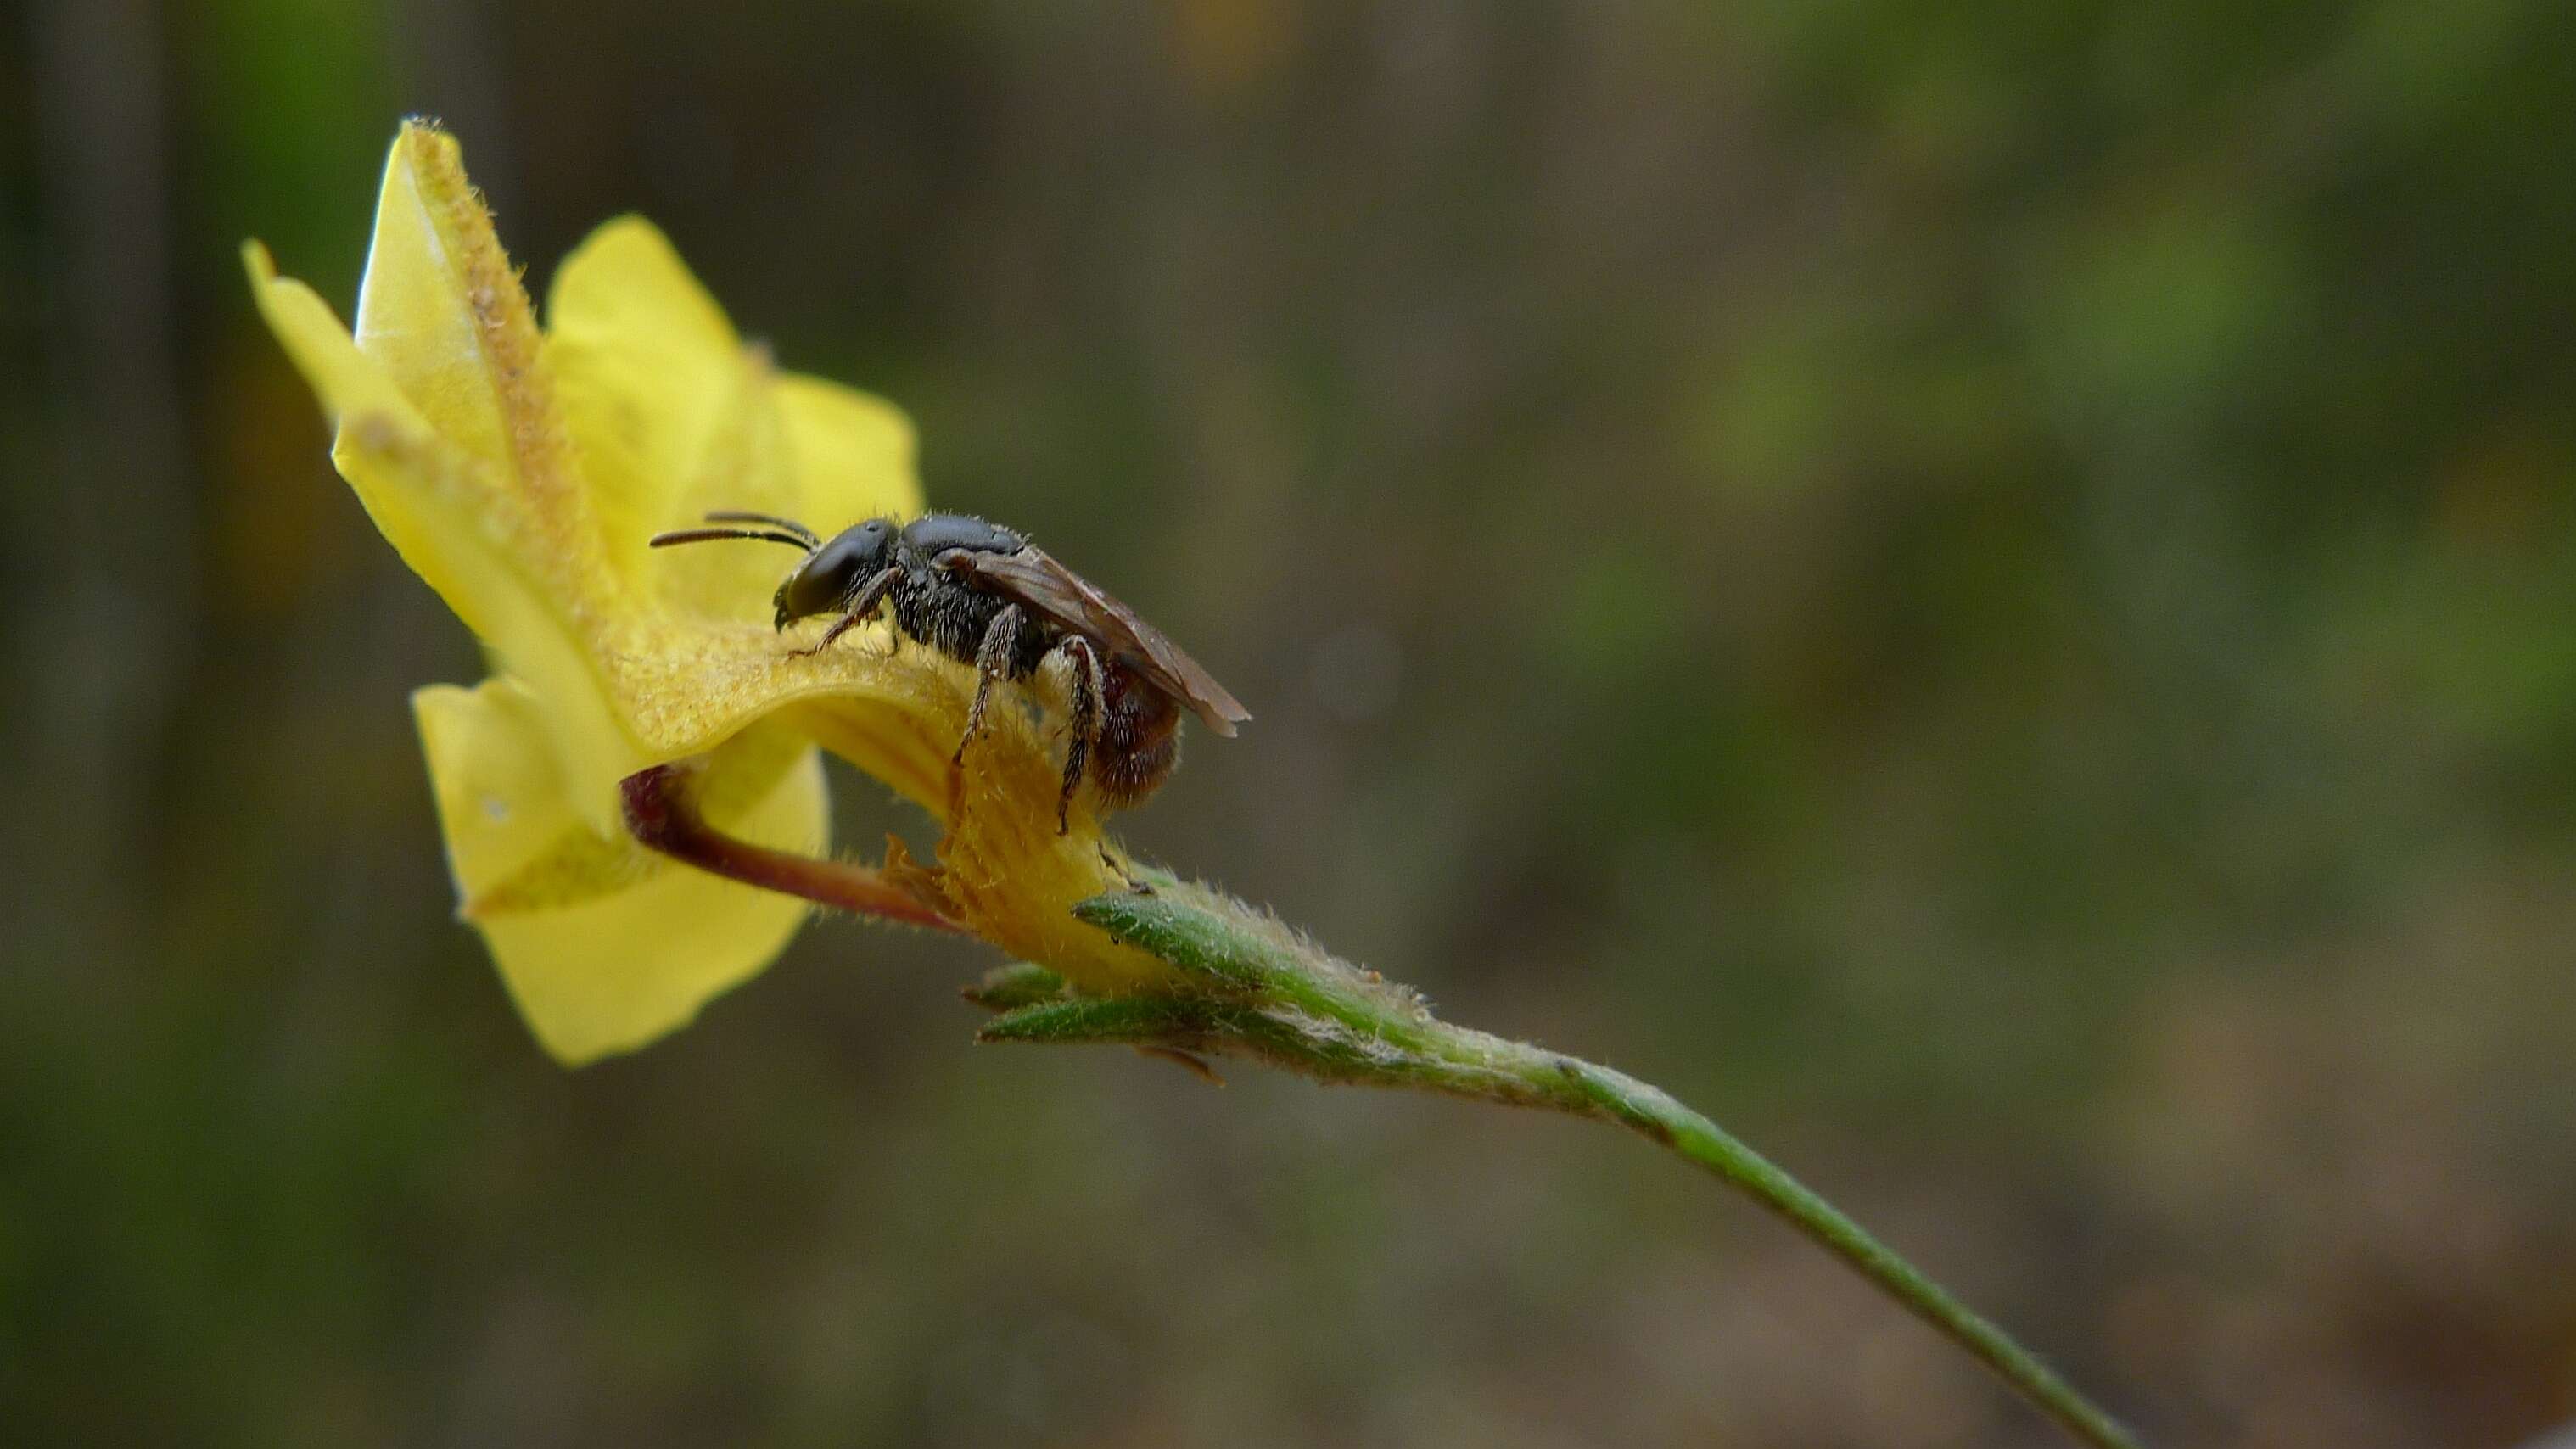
<point>1986,592</point>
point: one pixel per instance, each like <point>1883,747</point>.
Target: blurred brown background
<point>1986,592</point>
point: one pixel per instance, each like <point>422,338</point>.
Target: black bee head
<point>827,578</point>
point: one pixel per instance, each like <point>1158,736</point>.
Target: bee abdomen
<point>1140,737</point>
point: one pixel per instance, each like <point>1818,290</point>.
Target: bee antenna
<point>783,525</point>
<point>703,535</point>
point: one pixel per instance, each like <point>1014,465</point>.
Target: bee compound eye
<point>830,573</point>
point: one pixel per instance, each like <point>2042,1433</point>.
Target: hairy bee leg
<point>862,604</point>
<point>992,661</point>
<point>1086,724</point>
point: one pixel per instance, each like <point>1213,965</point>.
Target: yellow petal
<point>604,945</point>
<point>446,514</point>
<point>526,499</point>
<point>449,436</point>
<point>676,418</point>
<point>415,317</point>
<point>436,535</point>
<point>441,311</point>
<point>351,386</point>
<point>852,453</point>
<point>667,406</point>
<point>523,624</point>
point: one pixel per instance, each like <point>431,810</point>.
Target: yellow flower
<point>520,472</point>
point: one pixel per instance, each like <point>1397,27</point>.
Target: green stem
<point>1656,1115</point>
<point>1252,988</point>
<point>1257,990</point>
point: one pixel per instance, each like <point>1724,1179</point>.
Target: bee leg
<point>1086,724</point>
<point>1134,886</point>
<point>862,604</point>
<point>992,661</point>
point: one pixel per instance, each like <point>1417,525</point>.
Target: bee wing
<point>1037,580</point>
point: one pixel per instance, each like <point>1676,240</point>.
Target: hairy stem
<point>1249,987</point>
<point>1274,996</point>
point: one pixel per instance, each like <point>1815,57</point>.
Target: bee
<point>984,595</point>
